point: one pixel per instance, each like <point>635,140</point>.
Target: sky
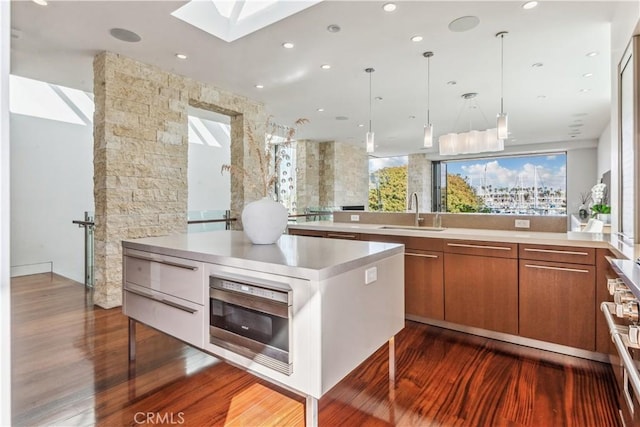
<point>514,171</point>
<point>386,162</point>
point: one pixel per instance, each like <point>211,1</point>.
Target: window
<point>524,185</point>
<point>388,184</point>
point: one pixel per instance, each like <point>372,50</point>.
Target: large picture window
<point>521,185</point>
<point>388,184</point>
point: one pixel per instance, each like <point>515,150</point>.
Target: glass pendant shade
<point>428,136</point>
<point>471,142</point>
<point>502,126</point>
<point>370,142</point>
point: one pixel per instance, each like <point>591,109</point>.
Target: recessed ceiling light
<point>542,96</point>
<point>464,23</point>
<point>585,90</point>
<point>40,2</point>
<point>125,35</point>
<point>412,117</point>
<point>181,56</point>
<point>591,54</point>
<point>287,45</point>
<point>378,98</point>
<point>259,86</point>
<point>537,64</point>
<point>529,5</point>
<point>342,118</point>
<point>452,82</point>
<point>389,7</point>
<point>416,38</point>
<point>587,75</point>
<point>333,28</point>
<point>325,66</point>
<point>320,110</point>
<point>360,125</point>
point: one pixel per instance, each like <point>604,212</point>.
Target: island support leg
<point>311,412</point>
<point>392,381</point>
<point>132,339</point>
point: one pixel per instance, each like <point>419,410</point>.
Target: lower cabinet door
<point>481,292</point>
<point>179,318</point>
<point>557,303</point>
<point>423,284</point>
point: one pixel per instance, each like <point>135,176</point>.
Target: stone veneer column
<point>140,157</point>
<point>307,174</point>
<point>351,176</point>
<point>419,180</point>
<point>331,174</point>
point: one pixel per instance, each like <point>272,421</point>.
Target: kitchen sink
<point>411,227</point>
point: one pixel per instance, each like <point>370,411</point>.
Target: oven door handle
<point>616,336</point>
<point>274,308</point>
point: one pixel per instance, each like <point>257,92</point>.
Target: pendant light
<point>370,138</point>
<point>427,141</point>
<point>502,125</point>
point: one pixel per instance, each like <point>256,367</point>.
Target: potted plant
<point>264,220</point>
<point>600,209</point>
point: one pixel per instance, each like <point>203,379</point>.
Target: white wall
<point>5,296</point>
<point>51,185</point>
<point>209,149</point>
<point>604,151</point>
<point>581,175</point>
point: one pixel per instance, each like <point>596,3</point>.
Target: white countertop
<point>297,256</point>
<point>571,238</point>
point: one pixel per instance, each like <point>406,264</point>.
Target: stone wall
<point>331,174</point>
<point>419,180</point>
<point>140,157</point>
<point>307,174</point>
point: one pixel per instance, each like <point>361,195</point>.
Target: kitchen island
<point>301,313</point>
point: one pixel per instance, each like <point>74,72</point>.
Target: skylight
<point>230,20</point>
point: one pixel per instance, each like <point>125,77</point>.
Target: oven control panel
<point>244,288</point>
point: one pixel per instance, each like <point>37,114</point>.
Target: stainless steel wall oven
<point>253,318</point>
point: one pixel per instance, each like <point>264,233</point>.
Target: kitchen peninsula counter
<point>571,238</point>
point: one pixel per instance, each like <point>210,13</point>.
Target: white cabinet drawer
<point>178,277</point>
<point>178,318</point>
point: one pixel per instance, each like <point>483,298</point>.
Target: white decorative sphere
<point>264,221</point>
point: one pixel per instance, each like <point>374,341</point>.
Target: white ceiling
<point>56,43</point>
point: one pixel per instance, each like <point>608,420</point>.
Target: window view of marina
<point>525,185</point>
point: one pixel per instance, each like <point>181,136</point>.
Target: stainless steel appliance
<point>622,318</point>
<point>252,317</point>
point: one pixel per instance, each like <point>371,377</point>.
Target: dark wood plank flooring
<point>70,368</point>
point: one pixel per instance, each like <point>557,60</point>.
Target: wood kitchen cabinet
<point>342,235</point>
<point>558,299</point>
<point>481,285</point>
<point>423,274</point>
<point>310,233</point>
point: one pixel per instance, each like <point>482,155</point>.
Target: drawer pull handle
<point>341,236</point>
<point>162,301</point>
<point>546,267</point>
<point>551,251</point>
<point>421,255</point>
<point>462,245</point>
<point>169,263</point>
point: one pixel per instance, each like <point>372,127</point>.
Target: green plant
<point>601,209</point>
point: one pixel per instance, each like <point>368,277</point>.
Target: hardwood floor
<point>70,368</point>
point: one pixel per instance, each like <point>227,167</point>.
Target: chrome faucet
<point>417,217</point>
